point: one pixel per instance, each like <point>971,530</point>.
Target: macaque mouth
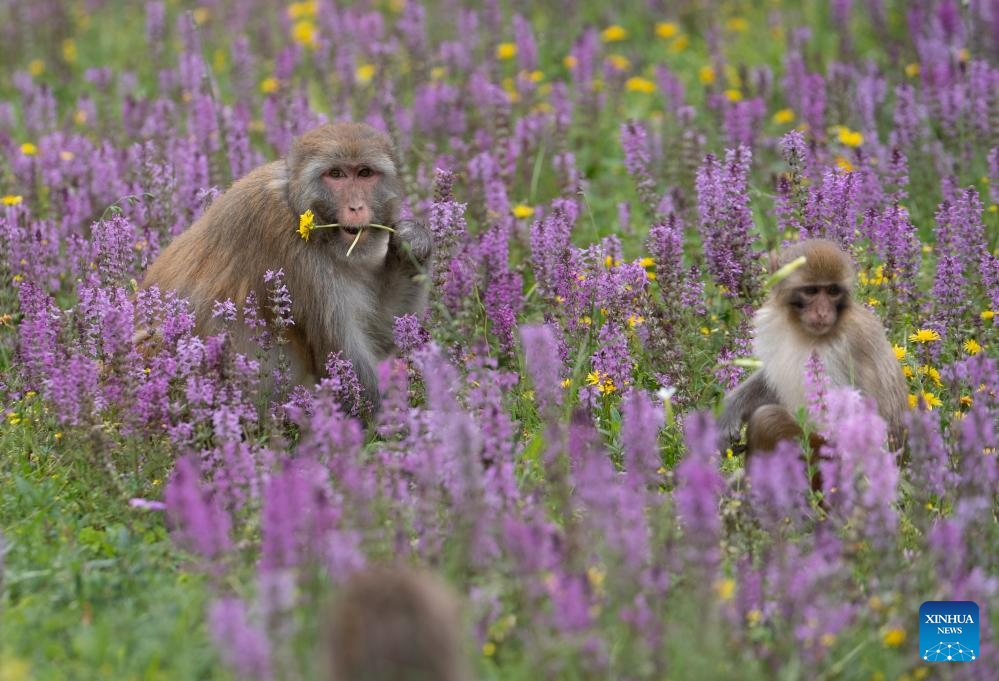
<point>352,229</point>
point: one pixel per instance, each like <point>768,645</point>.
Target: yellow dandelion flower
<point>930,400</point>
<point>614,34</point>
<point>12,199</point>
<point>931,373</point>
<point>754,616</point>
<point>488,649</point>
<point>619,62</point>
<point>635,320</point>
<point>924,336</point>
<point>849,137</point>
<point>306,223</point>
<point>784,116</point>
<point>705,331</point>
<point>69,50</point>
<point>988,314</point>
<point>566,383</point>
<point>733,95</point>
<point>200,15</point>
<point>680,44</point>
<point>522,211</point>
<point>596,577</point>
<point>364,73</point>
<point>36,67</point>
<point>437,73</point>
<point>666,29</point>
<point>506,50</point>
<point>29,149</point>
<point>570,62</point>
<point>827,639</point>
<point>593,378</point>
<point>536,76</point>
<point>302,10</point>
<point>900,352</point>
<point>651,276</point>
<point>706,74</point>
<point>843,164</point>
<point>966,401</point>
<point>972,347</point>
<point>725,588</point>
<point>994,208</point>
<point>893,638</point>
<point>607,387</point>
<point>586,320</point>
<point>79,116</point>
<point>269,85</point>
<point>304,33</point>
<point>912,70</point>
<point>737,25</point>
<point>637,84</point>
<point>646,262</point>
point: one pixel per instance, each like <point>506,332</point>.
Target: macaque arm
<point>408,255</point>
<point>740,404</point>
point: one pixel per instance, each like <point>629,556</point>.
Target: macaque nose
<point>356,207</point>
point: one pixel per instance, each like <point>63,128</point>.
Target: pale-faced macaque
<point>813,311</point>
<point>347,175</point>
<point>396,624</point>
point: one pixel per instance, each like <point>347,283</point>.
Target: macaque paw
<point>416,236</point>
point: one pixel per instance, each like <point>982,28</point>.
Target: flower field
<point>605,184</point>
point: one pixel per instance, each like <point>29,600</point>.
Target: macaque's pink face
<point>818,306</point>
<point>353,190</point>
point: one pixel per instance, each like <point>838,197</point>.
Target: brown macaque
<point>396,624</point>
<point>813,311</point>
<point>345,173</point>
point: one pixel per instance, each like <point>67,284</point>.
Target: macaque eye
<point>834,290</point>
<point>810,290</point>
<point>336,172</point>
<point>365,172</point>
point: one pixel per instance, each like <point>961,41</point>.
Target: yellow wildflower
<point>737,25</point>
<point>666,29</point>
<point>269,85</point>
<point>754,616</point>
<point>566,383</point>
<point>924,336</point>
<point>706,74</point>
<point>646,262</point>
<point>619,62</point>
<point>893,638</point>
<point>725,588</point>
<point>988,314</point>
<point>306,223</point>
<point>613,34</point>
<point>964,54</point>
<point>570,62</point>
<point>79,116</point>
<point>304,33</point>
<point>843,164</point>
<point>733,95</point>
<point>29,149</point>
<point>827,639</point>
<point>536,76</point>
<point>679,45</point>
<point>635,320</point>
<point>302,10</point>
<point>912,70</point>
<point>899,352</point>
<point>488,648</point>
<point>506,50</point>
<point>966,401</point>
<point>11,200</point>
<point>607,387</point>
<point>364,73</point>
<point>849,137</point>
<point>593,378</point>
<point>931,373</point>
<point>928,398</point>
<point>69,50</point>
<point>596,577</point>
<point>36,67</point>
<point>972,347</point>
<point>522,211</point>
<point>637,84</point>
<point>784,116</point>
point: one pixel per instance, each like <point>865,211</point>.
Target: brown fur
<point>394,624</point>
<point>771,424</point>
<point>338,303</point>
<point>854,352</point>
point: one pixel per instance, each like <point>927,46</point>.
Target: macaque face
<point>817,306</point>
<point>353,188</point>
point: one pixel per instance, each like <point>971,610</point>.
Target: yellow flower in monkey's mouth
<point>306,223</point>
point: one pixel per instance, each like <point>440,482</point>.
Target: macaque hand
<point>415,236</point>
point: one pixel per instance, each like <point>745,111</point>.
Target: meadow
<point>604,182</point>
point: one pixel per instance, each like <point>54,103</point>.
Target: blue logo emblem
<point>948,631</point>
